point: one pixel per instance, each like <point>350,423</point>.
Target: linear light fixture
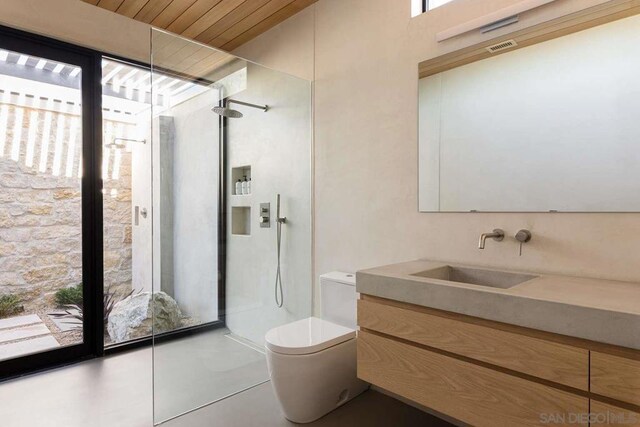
<point>22,60</point>
<point>58,68</point>
<point>75,72</point>
<point>41,63</point>
<point>490,18</point>
<point>3,55</point>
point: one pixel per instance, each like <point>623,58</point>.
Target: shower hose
<point>278,288</point>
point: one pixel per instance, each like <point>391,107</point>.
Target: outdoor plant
<point>109,300</point>
<point>9,305</point>
<point>69,296</point>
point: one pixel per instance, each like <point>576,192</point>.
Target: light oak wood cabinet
<point>543,359</point>
<point>604,414</point>
<point>486,373</point>
<point>615,377</point>
<point>473,394</point>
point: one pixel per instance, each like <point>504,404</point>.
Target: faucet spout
<point>497,235</point>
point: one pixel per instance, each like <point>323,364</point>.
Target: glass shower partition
<point>228,137</point>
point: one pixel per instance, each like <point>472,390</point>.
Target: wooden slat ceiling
<point>225,24</point>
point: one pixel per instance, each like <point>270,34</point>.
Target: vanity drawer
<point>472,394</point>
<point>548,360</point>
<point>605,415</point>
<point>615,377</point>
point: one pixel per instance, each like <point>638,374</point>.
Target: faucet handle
<point>523,236</point>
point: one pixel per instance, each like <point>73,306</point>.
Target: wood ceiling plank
<point>151,10</point>
<point>238,14</point>
<point>111,5</point>
<point>219,23</point>
<point>193,13</point>
<point>130,8</point>
<point>171,12</point>
<point>270,22</point>
<point>206,67</point>
<point>210,18</point>
<point>250,21</point>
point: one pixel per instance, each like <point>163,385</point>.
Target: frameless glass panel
<point>227,140</point>
<point>41,293</point>
<point>126,176</point>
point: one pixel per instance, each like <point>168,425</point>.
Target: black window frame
<point>91,202</point>
<point>90,60</point>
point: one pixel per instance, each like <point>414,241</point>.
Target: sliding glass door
<point>48,199</point>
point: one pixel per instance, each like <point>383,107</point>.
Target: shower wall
<point>276,145</point>
<point>187,179</point>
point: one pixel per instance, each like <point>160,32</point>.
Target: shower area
<point>229,235</point>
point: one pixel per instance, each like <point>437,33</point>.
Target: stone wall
<point>40,219</point>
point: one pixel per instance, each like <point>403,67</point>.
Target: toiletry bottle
<point>244,185</point>
<point>239,187</point>
<point>249,186</point>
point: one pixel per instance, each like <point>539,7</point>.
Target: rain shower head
<point>235,114</point>
<point>227,112</point>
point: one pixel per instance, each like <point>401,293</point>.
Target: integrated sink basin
<point>476,276</point>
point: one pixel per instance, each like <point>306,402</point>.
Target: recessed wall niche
<point>241,220</point>
<point>239,173</point>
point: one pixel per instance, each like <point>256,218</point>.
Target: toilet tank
<point>338,298</point>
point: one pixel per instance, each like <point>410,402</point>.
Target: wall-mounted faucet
<point>496,235</point>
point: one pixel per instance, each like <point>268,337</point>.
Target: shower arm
<point>247,104</point>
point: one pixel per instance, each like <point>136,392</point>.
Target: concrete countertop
<point>598,310</point>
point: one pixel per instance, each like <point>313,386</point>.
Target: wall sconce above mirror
<point>538,127</point>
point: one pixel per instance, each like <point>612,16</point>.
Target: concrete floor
<point>117,392</point>
<point>258,407</point>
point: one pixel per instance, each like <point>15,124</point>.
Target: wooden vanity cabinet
<point>488,373</point>
<point>605,414</point>
<point>615,377</point>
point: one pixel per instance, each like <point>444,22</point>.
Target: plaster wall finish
<point>80,23</point>
<point>276,145</point>
<point>366,148</point>
<point>192,187</point>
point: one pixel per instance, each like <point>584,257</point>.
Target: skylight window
<point>422,6</point>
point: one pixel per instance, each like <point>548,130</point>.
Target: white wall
<point>277,146</point>
<point>552,126</point>
<point>194,168</point>
<point>366,147</point>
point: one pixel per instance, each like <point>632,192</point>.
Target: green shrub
<point>70,296</point>
<point>9,305</point>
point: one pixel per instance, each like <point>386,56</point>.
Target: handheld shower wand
<point>279,294</point>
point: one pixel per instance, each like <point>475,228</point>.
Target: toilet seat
<point>307,336</point>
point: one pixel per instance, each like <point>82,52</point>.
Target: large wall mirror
<point>550,127</point>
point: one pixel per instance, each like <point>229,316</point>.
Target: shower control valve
<point>265,215</point>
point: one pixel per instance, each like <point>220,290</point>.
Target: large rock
<point>132,317</point>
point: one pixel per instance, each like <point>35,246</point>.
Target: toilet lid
<point>307,336</point>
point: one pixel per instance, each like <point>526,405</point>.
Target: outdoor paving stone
<point>21,348</point>
<point>23,332</point>
<point>13,322</point>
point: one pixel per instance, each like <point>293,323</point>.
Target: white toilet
<point>312,362</point>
